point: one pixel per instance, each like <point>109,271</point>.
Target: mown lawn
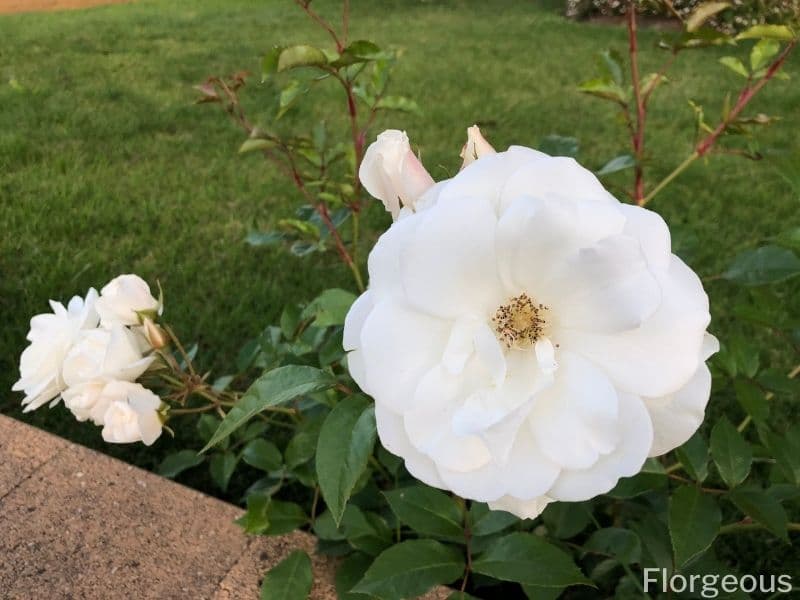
<point>107,166</point>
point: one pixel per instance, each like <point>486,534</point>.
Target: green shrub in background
<point>738,15</point>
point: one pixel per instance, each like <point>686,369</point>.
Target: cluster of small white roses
<point>90,354</point>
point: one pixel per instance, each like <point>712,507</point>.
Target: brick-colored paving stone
<point>13,6</point>
<point>75,523</point>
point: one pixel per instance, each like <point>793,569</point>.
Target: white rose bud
<point>123,298</point>
<point>476,146</point>
<point>392,173</point>
<point>132,414</point>
<point>154,335</point>
<point>51,336</point>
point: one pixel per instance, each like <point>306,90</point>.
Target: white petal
<point>384,259</point>
<point>398,346</point>
<point>660,356</point>
<point>575,420</point>
<point>393,436</point>
<point>536,235</point>
<point>445,276</point>
<point>636,436</point>
<point>546,356</point>
<point>490,354</point>
<point>354,321</point>
<point>486,178</point>
<point>429,425</point>
<point>651,231</point>
<point>607,287</point>
<point>460,344</point>
<point>554,177</point>
<point>524,509</point>
<point>677,416</point>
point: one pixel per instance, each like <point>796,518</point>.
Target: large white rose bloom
<point>51,337</point>
<point>528,338</point>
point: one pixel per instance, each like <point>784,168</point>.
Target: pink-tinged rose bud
<point>392,173</point>
<point>154,334</point>
<point>476,146</point>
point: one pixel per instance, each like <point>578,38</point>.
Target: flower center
<point>520,322</point>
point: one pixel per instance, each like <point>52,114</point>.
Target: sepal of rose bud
<point>475,147</point>
<point>392,173</point>
<point>154,335</point>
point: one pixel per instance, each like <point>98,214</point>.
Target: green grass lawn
<point>107,166</point>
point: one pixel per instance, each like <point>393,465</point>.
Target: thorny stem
<point>705,145</point>
<point>306,6</point>
<point>641,113</point>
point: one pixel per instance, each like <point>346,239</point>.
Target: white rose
<point>51,336</point>
<point>476,147</point>
<point>85,402</point>
<point>527,338</point>
<point>105,354</point>
<point>123,298</point>
<point>132,414</point>
<point>392,173</point>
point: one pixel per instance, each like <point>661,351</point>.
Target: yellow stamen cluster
<point>520,322</point>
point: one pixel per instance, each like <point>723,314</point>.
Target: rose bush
<point>532,345</point>
<point>526,337</point>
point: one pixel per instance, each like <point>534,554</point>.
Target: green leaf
<point>256,144</point>
<point>530,560</point>
<point>330,307</point>
<point>611,64</point>
<point>752,399</point>
<point>358,52</point>
<point>762,508</point>
<point>650,478</point>
<point>399,103</point>
<point>365,531</point>
<point>410,569</point>
<point>559,145</point>
<point>287,97</point>
<point>622,544</point>
<point>656,545</point>
<point>694,521</point>
<point>344,447</point>
<point>604,88</point>
<point>762,53</point>
<point>703,13</point>
<point>735,65</point>
<point>176,463</point>
<point>303,55</point>
<point>284,517</point>
<point>303,445</point>
<point>541,593</point>
<point>789,239</point>
<point>271,389</point>
<point>618,163</point>
<point>566,519</point>
<point>269,64</point>
<point>773,32</point>
<point>768,264</point>
<point>485,521</point>
<point>427,511</point>
<point>261,454</point>
<point>349,573</point>
<point>786,451</point>
<point>694,457</point>
<point>457,595</point>
<point>731,453</point>
<point>290,579</point>
<point>221,467</point>
<point>255,520</point>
